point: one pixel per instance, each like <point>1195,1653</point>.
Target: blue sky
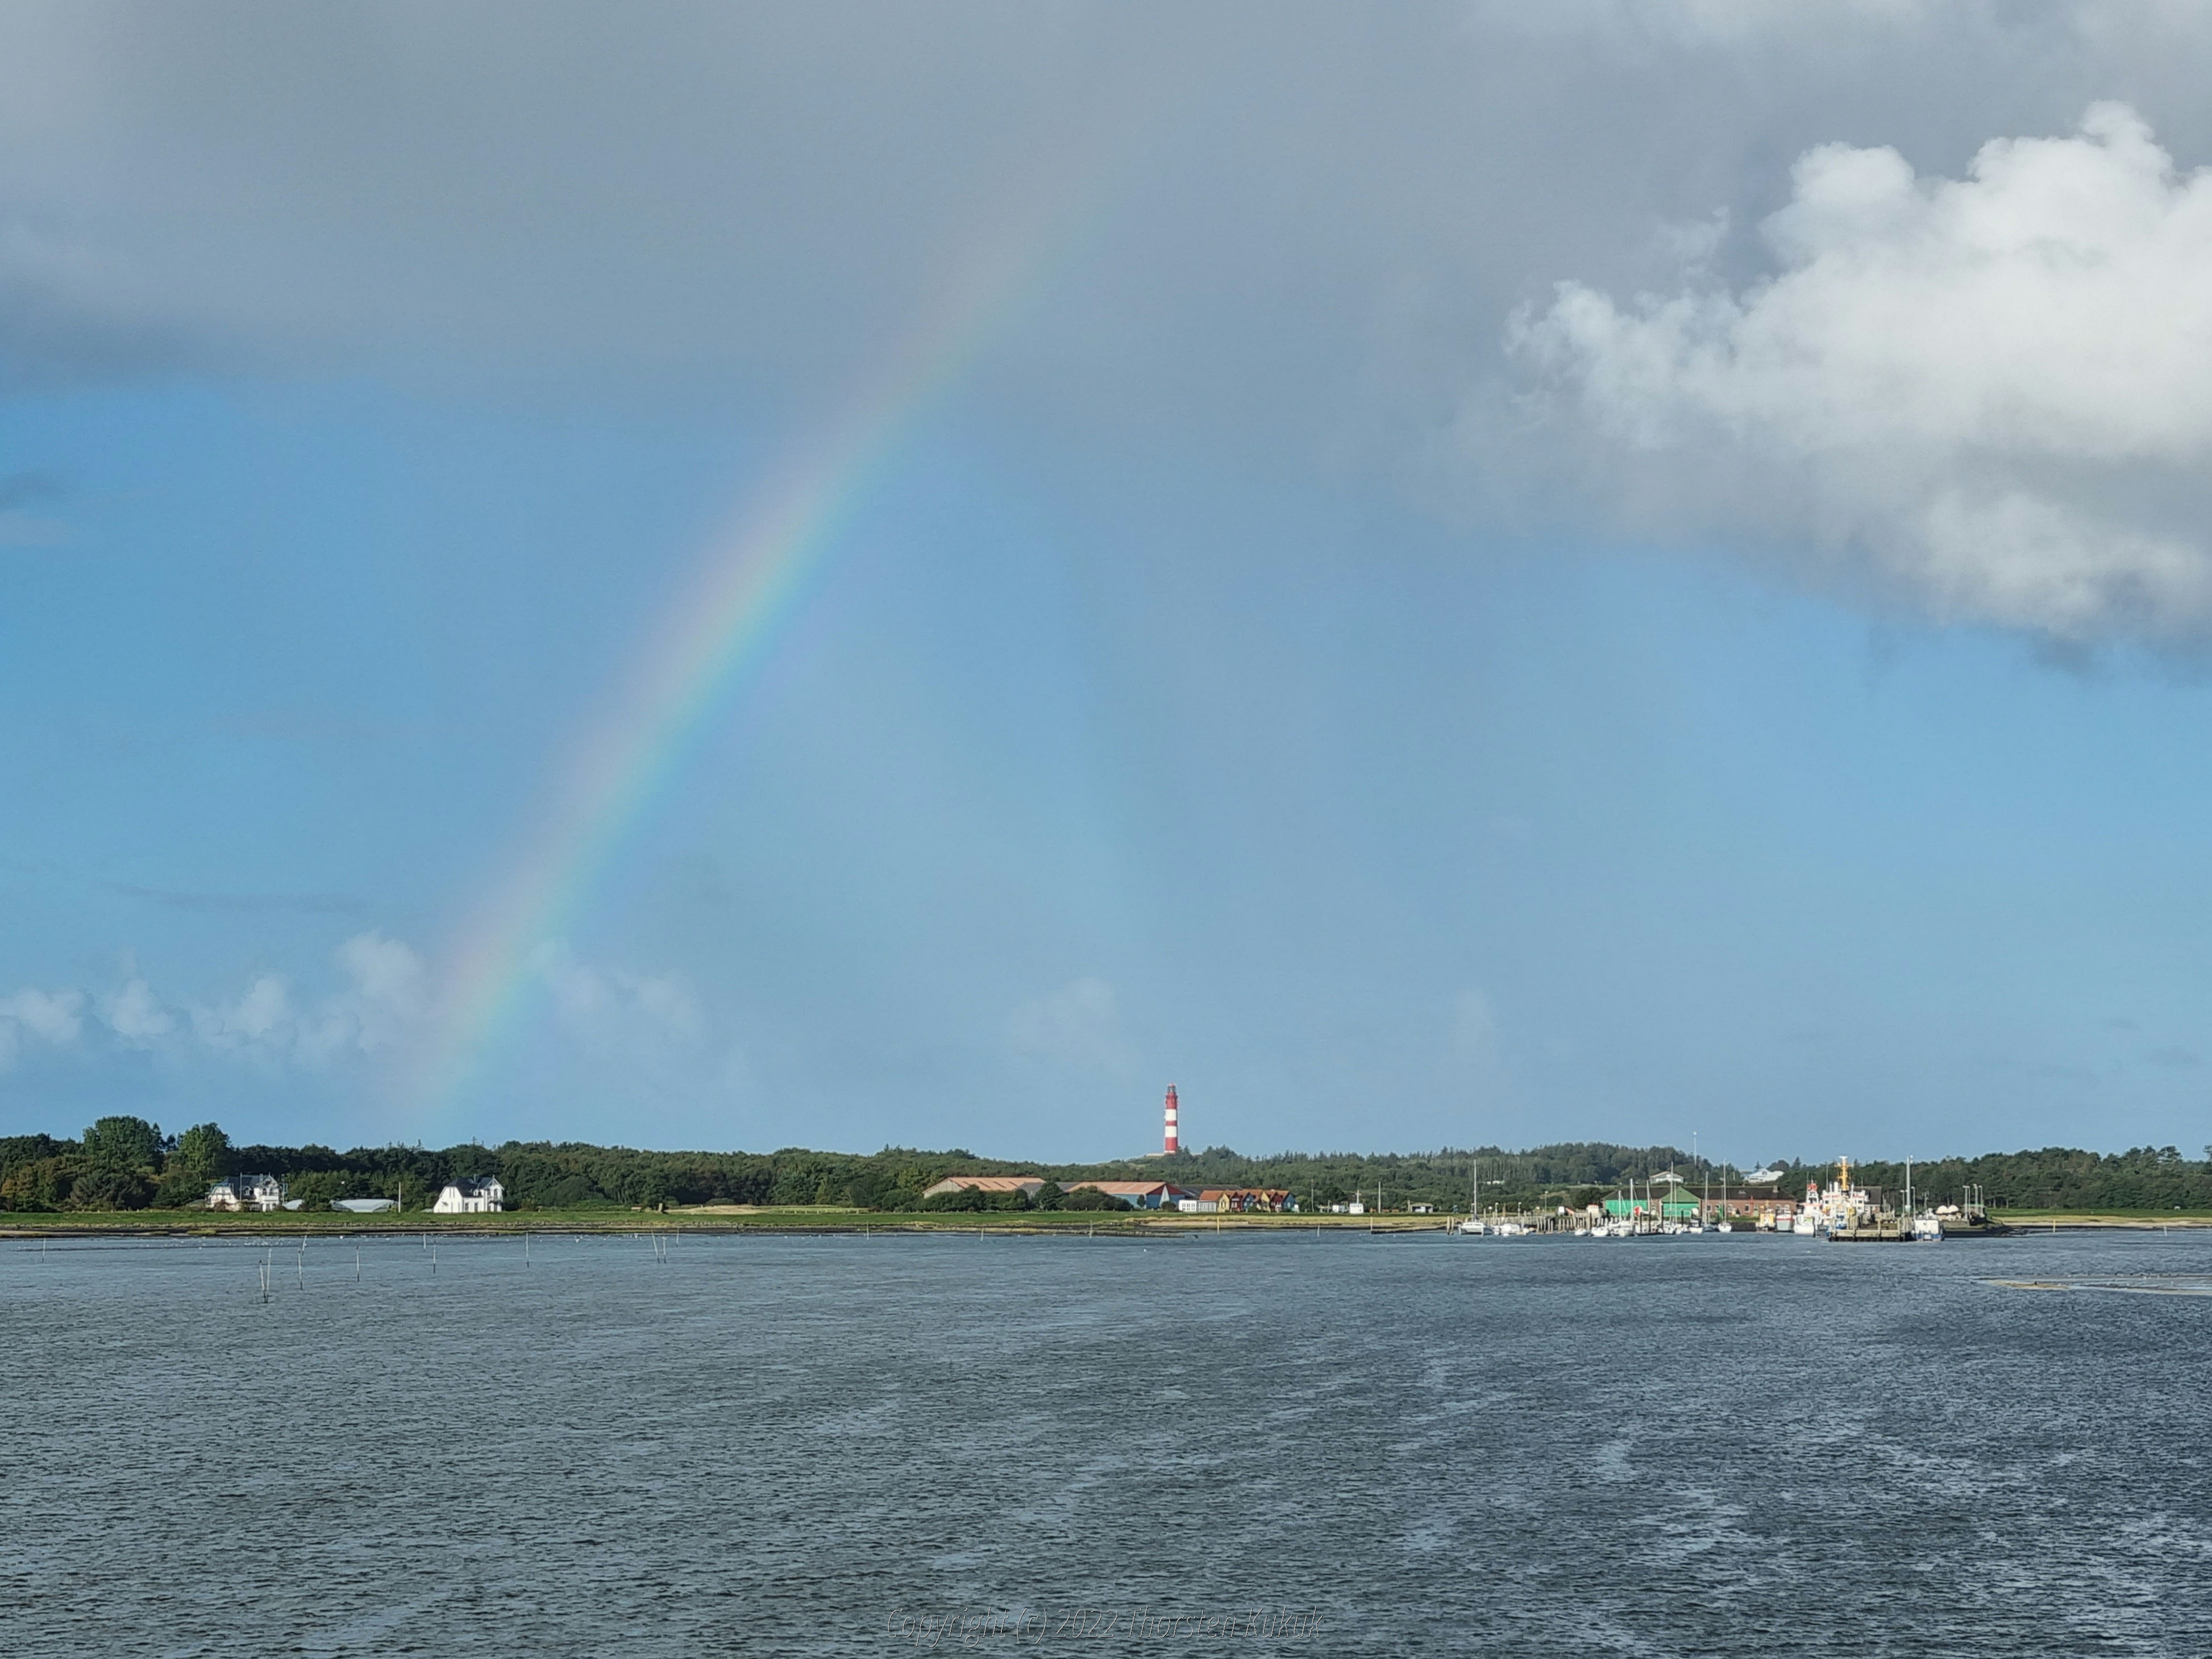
<point>1305,655</point>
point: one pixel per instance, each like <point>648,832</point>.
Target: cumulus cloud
<point>136,1014</point>
<point>258,1021</point>
<point>1993,393</point>
<point>387,997</point>
<point>54,1018</point>
<point>385,1001</point>
<point>1079,1025</point>
<point>614,1010</point>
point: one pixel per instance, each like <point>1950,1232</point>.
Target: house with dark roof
<point>470,1197</point>
<point>261,1191</point>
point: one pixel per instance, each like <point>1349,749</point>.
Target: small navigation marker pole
<point>526,1249</point>
<point>357,1264</point>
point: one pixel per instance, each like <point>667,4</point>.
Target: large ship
<point>1836,1207</point>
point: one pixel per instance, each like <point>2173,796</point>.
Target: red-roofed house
<point>1243,1200</point>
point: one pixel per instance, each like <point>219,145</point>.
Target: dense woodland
<point>129,1163</point>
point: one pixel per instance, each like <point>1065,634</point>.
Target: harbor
<point>1840,1210</point>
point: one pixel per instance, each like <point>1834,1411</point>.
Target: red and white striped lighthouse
<point>1174,1144</point>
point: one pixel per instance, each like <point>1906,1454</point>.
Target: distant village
<point>127,1164</point>
<point>267,1193</point>
<point>1135,1194</point>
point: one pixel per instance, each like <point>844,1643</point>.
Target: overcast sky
<point>1490,573</point>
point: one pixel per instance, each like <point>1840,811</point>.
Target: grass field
<point>2102,1218</point>
<point>714,1218</point>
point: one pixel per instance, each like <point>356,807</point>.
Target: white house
<point>470,1197</point>
<point>260,1191</point>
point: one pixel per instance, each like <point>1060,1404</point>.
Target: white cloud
<point>386,1003</point>
<point>1993,393</point>
<point>51,1017</point>
<point>259,1022</point>
<point>1079,1025</point>
<point>614,1010</point>
<point>136,1014</point>
<point>54,1016</point>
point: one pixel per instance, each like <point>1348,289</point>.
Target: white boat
<point>1472,1226</point>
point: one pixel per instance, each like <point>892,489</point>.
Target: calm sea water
<point>1349,1444</point>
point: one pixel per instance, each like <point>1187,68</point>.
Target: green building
<point>1678,1206</point>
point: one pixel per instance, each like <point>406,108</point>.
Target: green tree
<point>1090,1198</point>
<point>124,1143</point>
<point>110,1189</point>
<point>38,1184</point>
<point>178,1188</point>
<point>203,1150</point>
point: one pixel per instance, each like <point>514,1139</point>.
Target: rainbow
<point>748,582</point>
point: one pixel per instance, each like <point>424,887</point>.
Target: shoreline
<point>801,1221</point>
<point>325,1224</point>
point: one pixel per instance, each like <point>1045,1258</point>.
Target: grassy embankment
<point>807,1217</point>
<point>2139,1219</point>
<point>823,1217</point>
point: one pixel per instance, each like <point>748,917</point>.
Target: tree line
<point>124,1163</point>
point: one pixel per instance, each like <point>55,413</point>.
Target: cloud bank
<point>1992,394</point>
<point>1301,228</point>
<point>386,1006</point>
